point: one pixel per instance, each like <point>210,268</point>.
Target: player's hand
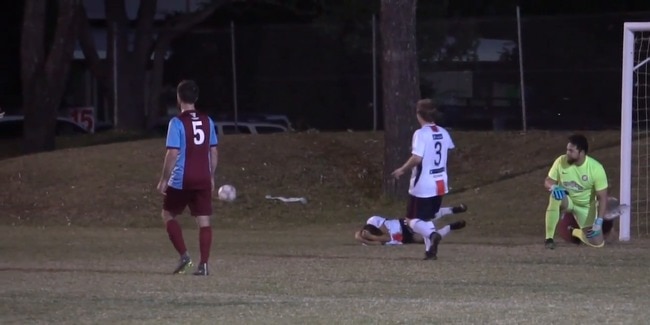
<point>162,187</point>
<point>407,222</point>
<point>558,192</point>
<point>593,233</point>
<point>397,173</point>
<point>596,229</point>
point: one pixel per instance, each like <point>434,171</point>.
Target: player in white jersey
<point>382,231</point>
<point>428,165</point>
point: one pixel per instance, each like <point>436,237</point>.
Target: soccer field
<point>314,275</point>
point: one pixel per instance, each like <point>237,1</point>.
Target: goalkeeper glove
<point>596,228</point>
<point>558,192</point>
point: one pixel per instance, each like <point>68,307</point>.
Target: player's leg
<point>434,203</point>
<point>422,229</point>
<point>201,208</point>
<point>425,210</point>
<point>584,215</point>
<point>553,211</point>
<point>173,205</point>
<point>444,211</point>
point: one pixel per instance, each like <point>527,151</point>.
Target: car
<point>11,127</point>
<point>256,118</point>
<point>230,127</point>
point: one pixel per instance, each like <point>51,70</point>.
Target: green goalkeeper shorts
<point>584,214</point>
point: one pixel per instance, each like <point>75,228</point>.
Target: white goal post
<point>635,97</point>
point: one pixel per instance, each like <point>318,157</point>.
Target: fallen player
<point>382,231</point>
<point>613,211</point>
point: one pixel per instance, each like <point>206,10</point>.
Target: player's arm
<point>214,157</point>
<point>170,159</point>
<point>413,161</point>
<point>384,238</point>
<point>602,202</point>
<point>359,237</point>
<point>549,182</point>
<point>601,185</point>
<point>214,154</point>
<point>553,175</point>
<point>173,143</point>
<point>417,152</point>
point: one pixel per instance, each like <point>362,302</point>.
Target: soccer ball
<point>227,193</point>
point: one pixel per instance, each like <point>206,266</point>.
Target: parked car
<point>11,126</point>
<point>256,118</point>
<point>230,127</point>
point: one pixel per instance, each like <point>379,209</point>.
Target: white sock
<point>444,231</point>
<point>443,212</point>
<point>424,229</point>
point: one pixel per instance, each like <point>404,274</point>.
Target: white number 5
<point>199,135</point>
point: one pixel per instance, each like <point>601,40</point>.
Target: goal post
<point>635,97</point>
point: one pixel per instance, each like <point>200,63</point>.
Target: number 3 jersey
<point>429,178</point>
<point>193,134</point>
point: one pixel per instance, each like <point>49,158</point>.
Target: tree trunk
<point>44,72</point>
<point>131,95</point>
<point>156,83</point>
<point>400,88</point>
<point>40,111</point>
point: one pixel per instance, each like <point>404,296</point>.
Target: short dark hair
<point>427,110</point>
<point>580,141</point>
<point>372,230</point>
<point>188,91</point>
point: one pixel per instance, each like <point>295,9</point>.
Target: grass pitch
<point>83,243</point>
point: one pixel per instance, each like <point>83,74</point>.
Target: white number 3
<point>199,135</point>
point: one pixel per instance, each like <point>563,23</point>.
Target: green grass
<point>83,242</point>
<point>314,275</point>
<point>340,174</point>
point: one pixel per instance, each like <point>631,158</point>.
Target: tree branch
<point>178,25</point>
<point>292,6</point>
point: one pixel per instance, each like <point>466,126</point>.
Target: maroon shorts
<point>199,201</point>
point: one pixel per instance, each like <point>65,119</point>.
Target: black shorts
<point>423,208</point>
<point>407,232</point>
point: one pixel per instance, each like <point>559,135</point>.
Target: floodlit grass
<point>83,242</point>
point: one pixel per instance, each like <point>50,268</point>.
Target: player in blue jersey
<point>188,175</point>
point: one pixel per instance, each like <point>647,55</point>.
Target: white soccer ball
<point>227,193</point>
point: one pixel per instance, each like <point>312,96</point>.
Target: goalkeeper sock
<point>552,216</point>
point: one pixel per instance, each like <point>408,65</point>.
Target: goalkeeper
<point>575,181</point>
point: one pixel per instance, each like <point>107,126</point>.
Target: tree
<point>45,64</point>
<point>133,60</point>
<point>400,86</point>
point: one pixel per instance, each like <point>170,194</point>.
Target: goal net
<point>635,131</point>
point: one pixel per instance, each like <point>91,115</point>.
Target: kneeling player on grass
<point>575,181</point>
<point>382,231</point>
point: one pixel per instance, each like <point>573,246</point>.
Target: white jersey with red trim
<point>429,178</point>
<point>393,225</point>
